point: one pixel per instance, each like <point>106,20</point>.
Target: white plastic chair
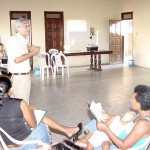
<point>44,63</point>
<point>59,60</point>
<point>39,142</point>
<point>52,50</point>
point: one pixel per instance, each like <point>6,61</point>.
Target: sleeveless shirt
<point>124,134</point>
<point>12,120</point>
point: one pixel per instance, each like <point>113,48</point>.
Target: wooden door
<point>116,42</point>
<point>54,30</point>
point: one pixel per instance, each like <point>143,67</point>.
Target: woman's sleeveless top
<point>124,134</point>
<point>12,120</point>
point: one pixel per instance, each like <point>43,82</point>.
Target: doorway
<point>121,39</point>
<point>127,32</point>
<point>54,30</point>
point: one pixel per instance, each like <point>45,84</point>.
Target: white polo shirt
<point>17,46</point>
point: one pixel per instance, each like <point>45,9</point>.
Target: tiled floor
<point>66,99</point>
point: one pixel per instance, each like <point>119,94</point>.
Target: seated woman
<point>95,138</point>
<point>139,131</point>
<point>17,119</point>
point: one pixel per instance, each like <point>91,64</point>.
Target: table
<point>95,58</point>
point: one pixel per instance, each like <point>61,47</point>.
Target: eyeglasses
<point>26,26</point>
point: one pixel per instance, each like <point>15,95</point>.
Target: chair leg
<point>47,72</point>
<point>52,71</point>
<point>54,74</point>
<point>68,71</point>
<point>57,70</point>
<point>43,73</point>
<point>62,70</point>
<point>40,72</point>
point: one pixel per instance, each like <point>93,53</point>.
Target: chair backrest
<point>44,59</point>
<point>52,50</point>
<point>39,142</point>
<point>59,59</point>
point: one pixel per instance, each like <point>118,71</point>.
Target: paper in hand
<point>97,111</point>
<point>39,115</point>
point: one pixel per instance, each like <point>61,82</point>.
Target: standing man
<point>19,59</point>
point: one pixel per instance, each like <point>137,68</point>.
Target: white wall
<point>141,30</point>
<point>96,12</point>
